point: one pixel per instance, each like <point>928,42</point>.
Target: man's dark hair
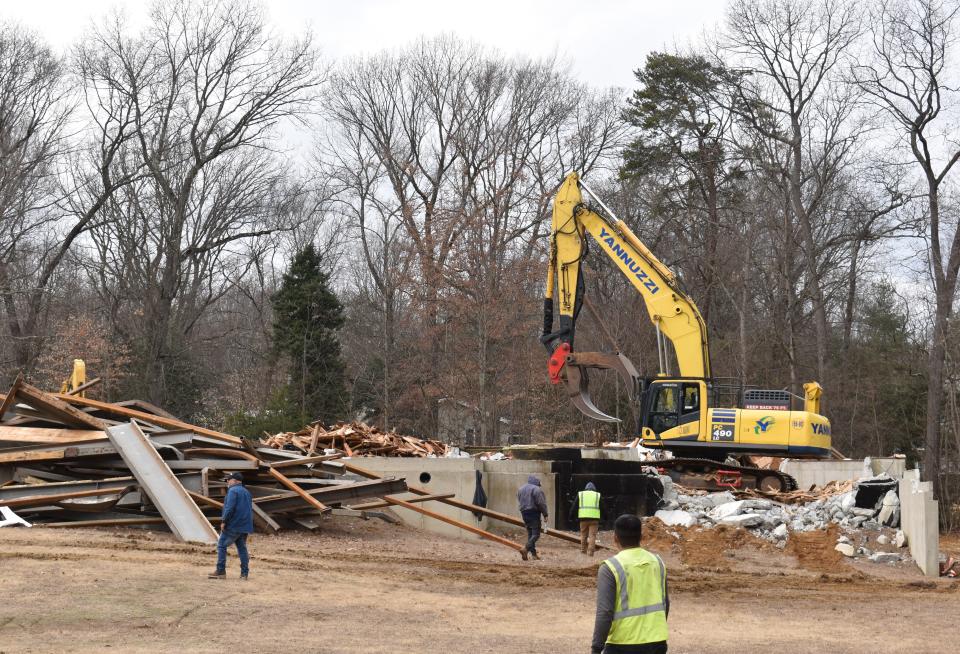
<point>628,529</point>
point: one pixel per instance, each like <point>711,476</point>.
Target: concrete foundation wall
<point>613,453</point>
<point>501,479</point>
<point>818,473</point>
<point>919,521</point>
<point>445,476</point>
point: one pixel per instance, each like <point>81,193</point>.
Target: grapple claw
<point>578,388</point>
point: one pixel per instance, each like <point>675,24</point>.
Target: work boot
<point>218,574</point>
<point>244,576</point>
<point>535,555</point>
<point>523,553</point>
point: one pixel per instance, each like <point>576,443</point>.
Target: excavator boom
<point>672,312</point>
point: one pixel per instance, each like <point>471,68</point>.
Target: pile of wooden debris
<point>70,461</point>
<point>354,439</point>
<point>800,496</point>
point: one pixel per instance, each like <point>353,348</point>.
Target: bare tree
<point>34,109</point>
<point>451,154</point>
<point>791,49</point>
<point>208,86</point>
<point>910,81</point>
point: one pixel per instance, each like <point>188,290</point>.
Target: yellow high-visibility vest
<point>588,502</point>
<point>640,612</point>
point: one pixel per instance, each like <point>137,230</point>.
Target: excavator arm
<point>672,312</point>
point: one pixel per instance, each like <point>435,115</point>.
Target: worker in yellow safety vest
<point>632,601</point>
<point>588,513</point>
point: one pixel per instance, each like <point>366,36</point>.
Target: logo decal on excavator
<point>822,430</point>
<point>634,267</point>
<point>763,424</point>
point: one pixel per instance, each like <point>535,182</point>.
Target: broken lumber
<point>309,499</point>
<point>49,436</point>
<point>415,500</point>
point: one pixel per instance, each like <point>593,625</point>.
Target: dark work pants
<point>531,519</point>
<point>646,648</point>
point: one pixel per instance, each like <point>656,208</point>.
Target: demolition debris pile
<point>355,439</point>
<point>866,511</point>
<point>68,461</point>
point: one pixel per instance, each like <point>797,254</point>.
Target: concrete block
<point>727,510</point>
<point>884,557</point>
<point>745,520</point>
<point>845,548</point>
<point>716,499</point>
<point>900,539</point>
<point>676,518</point>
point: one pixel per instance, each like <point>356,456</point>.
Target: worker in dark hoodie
<point>533,504</point>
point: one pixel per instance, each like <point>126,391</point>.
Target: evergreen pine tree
<point>307,315</point>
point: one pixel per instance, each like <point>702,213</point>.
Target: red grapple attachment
<point>557,360</point>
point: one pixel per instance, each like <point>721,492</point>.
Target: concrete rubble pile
<point>867,513</point>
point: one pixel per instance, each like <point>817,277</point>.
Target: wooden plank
<point>50,436</point>
<point>11,396</point>
<point>55,407</point>
<point>45,455</point>
<point>169,423</point>
<point>213,464</point>
<point>415,500</point>
<point>309,499</point>
<point>290,501</point>
<point>115,522</point>
<point>473,508</point>
<point>87,385</point>
<point>44,500</point>
<point>176,506</point>
<point>456,523</point>
<point>305,460</point>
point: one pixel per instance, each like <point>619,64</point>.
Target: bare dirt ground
<point>372,587</point>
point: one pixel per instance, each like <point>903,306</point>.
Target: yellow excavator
<point>708,423</point>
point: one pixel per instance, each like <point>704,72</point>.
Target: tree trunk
<point>809,251</point>
<point>931,455</point>
<point>851,294</point>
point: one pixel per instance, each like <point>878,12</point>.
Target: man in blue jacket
<point>236,523</point>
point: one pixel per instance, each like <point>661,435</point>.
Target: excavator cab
<point>669,404</point>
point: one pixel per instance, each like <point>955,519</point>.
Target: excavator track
<point>706,474</point>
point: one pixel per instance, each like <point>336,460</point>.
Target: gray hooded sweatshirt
<point>531,497</point>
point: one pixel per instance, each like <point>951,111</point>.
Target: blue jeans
<point>228,538</point>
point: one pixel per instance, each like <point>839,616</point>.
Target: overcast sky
<point>604,40</point>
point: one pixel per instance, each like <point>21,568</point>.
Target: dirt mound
<point>815,550</point>
<point>657,537</point>
<point>707,547</point>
